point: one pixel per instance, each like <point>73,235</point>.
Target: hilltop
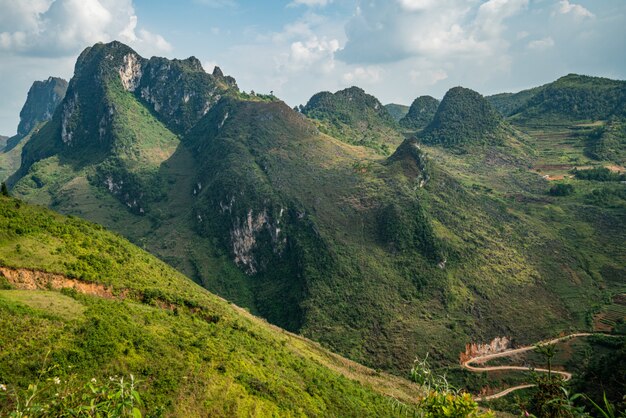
<point>420,113</point>
<point>464,118</point>
<point>354,117</point>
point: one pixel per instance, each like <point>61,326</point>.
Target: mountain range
<point>378,231</point>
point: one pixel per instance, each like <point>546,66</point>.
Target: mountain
<point>43,98</point>
<point>3,141</point>
<point>397,111</point>
<point>420,113</point>
<point>41,103</point>
<point>354,117</point>
<point>82,305</point>
<point>509,103</point>
<point>464,118</point>
<point>377,258</point>
<point>570,98</point>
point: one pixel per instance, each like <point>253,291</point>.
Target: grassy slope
<point>210,359</point>
<point>10,160</point>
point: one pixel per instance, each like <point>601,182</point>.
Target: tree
<point>4,189</point>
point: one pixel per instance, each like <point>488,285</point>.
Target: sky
<point>396,50</point>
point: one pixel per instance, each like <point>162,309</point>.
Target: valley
<point>378,233</point>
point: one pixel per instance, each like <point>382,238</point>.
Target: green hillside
<point>355,117</point>
<point>97,306</point>
<point>574,98</point>
<point>449,240</point>
<point>420,113</point>
<point>464,118</point>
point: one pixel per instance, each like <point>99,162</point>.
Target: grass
<point>204,357</point>
<point>52,303</point>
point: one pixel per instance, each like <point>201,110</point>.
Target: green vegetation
<point>464,118</point>
<point>421,113</point>
<point>599,174</point>
<point>376,258</point>
<point>397,111</point>
<point>573,98</point>
<point>608,142</point>
<point>193,353</point>
<point>562,189</point>
<point>509,103</point>
<point>355,117</point>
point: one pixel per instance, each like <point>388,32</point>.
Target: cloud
<point>390,31</point>
<point>565,7</point>
<point>366,75</point>
<point>427,77</point>
<point>541,44</point>
<point>63,27</point>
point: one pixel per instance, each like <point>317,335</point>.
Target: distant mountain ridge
<point>572,97</point>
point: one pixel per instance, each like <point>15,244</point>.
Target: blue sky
<point>394,49</point>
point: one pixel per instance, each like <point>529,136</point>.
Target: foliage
<point>608,142</point>
<point>420,113</point>
<point>562,189</point>
<point>397,111</point>
<point>67,396</point>
<point>441,400</point>
<point>195,354</point>
<point>464,117</point>
<point>354,116</point>
<point>599,174</point>
<point>575,97</point>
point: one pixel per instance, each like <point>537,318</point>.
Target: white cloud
<point>64,27</point>
<point>577,10</point>
<point>385,31</point>
<point>541,44</point>
<point>366,75</point>
<point>427,77</point>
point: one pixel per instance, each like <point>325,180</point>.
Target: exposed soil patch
<point>25,279</point>
<point>616,168</point>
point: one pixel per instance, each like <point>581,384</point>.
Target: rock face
<point>180,92</point>
<point>464,118</point>
<point>43,98</point>
<point>420,113</point>
<point>473,350</point>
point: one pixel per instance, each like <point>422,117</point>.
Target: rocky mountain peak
<point>41,102</point>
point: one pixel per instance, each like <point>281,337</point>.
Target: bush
<point>561,189</point>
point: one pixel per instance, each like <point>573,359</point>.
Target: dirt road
<point>481,359</point>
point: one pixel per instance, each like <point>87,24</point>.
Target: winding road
<point>468,364</point>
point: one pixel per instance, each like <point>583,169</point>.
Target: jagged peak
<point>217,72</point>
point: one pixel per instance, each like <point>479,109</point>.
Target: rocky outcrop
<point>473,350</point>
<point>131,72</point>
<point>43,98</point>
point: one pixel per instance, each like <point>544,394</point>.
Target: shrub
<point>561,189</point>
